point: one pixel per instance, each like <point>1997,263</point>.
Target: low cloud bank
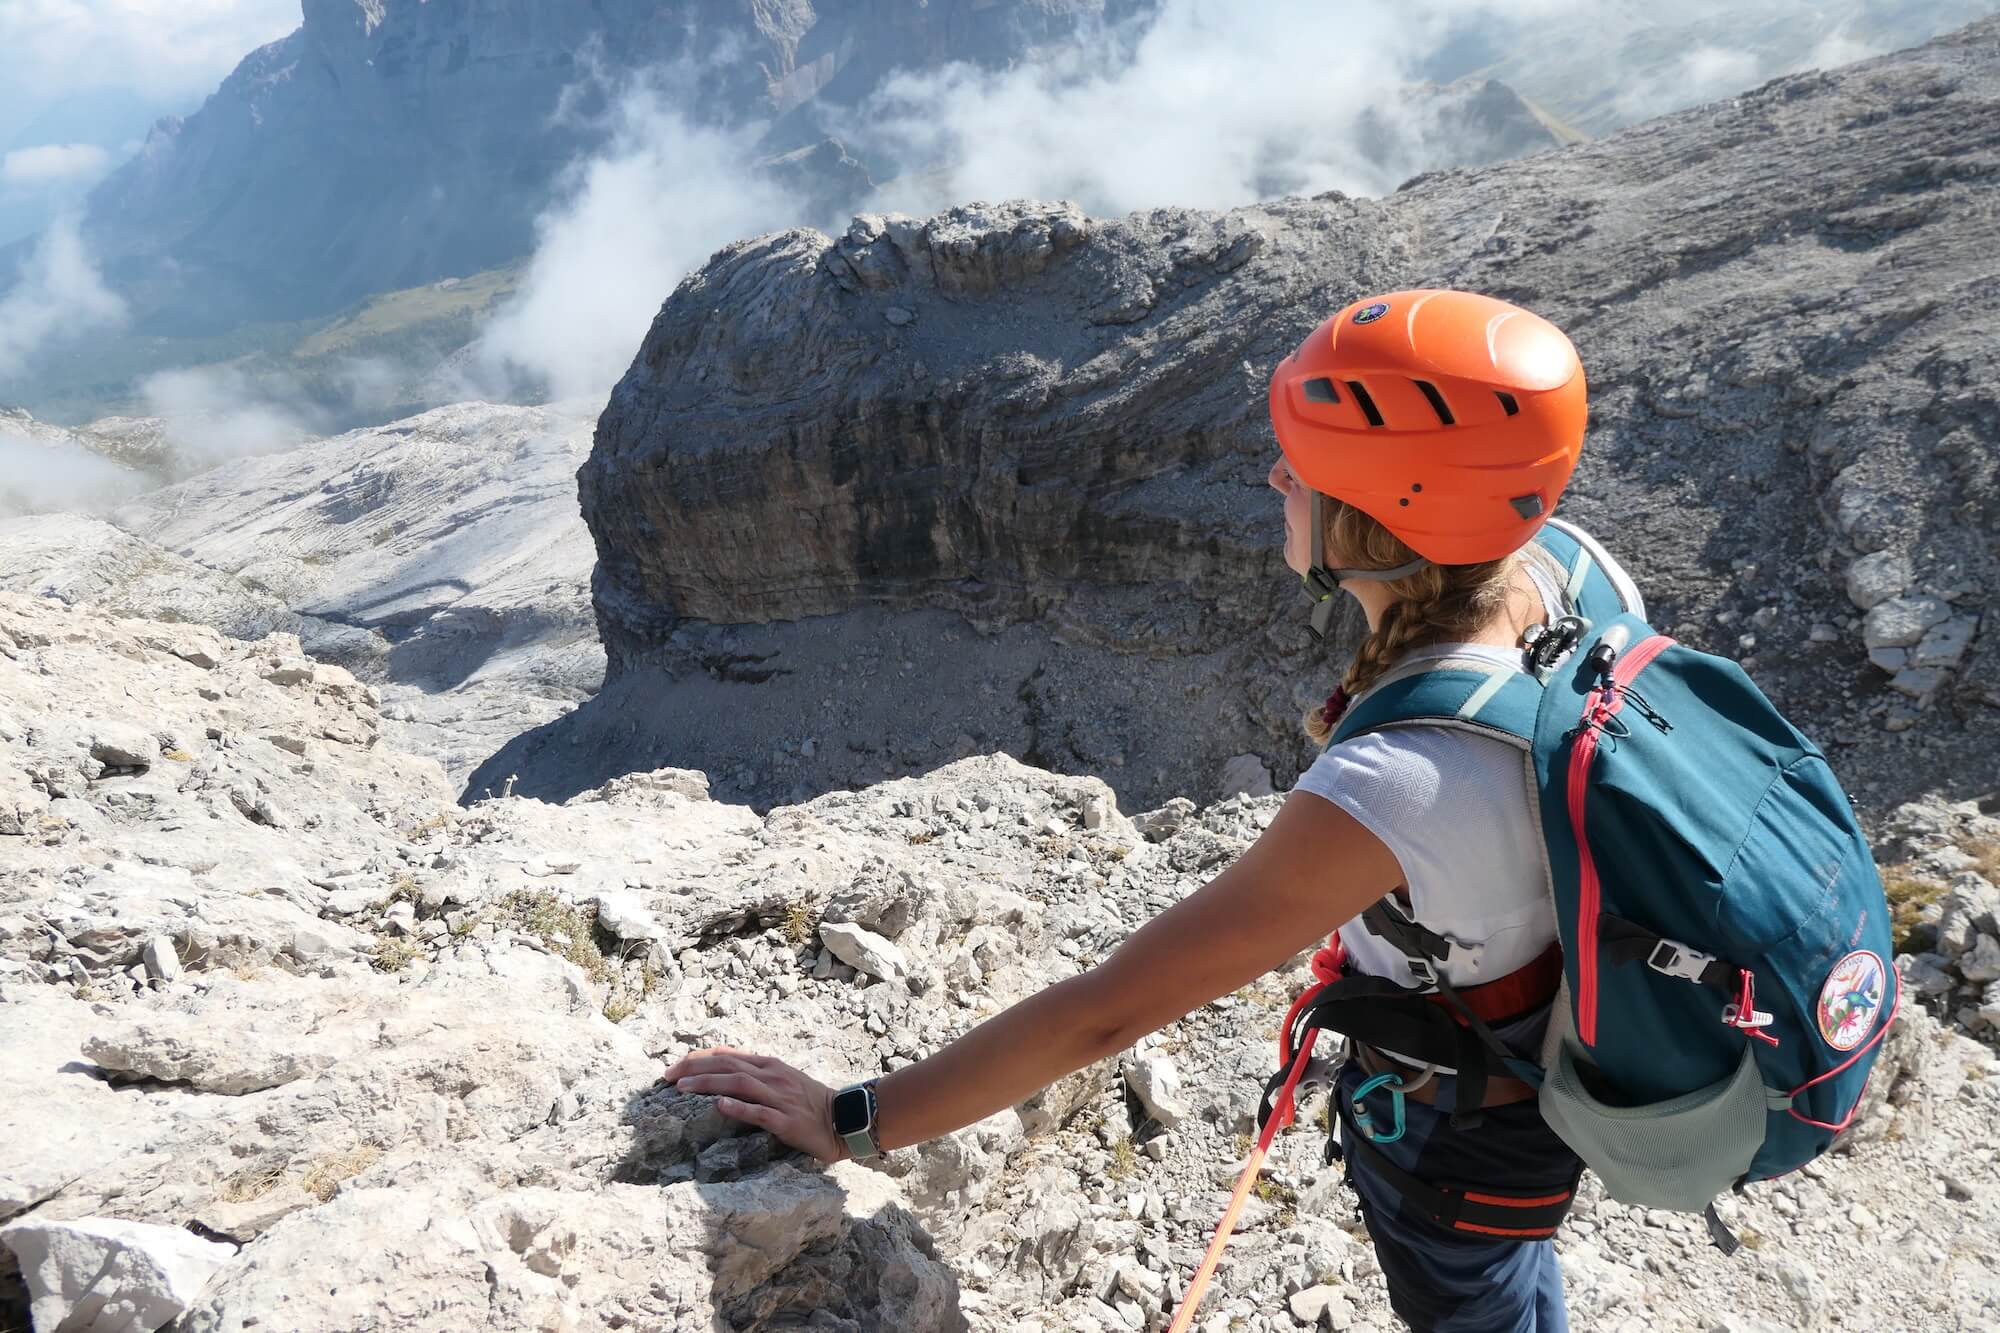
<point>664,194</point>
<point>40,478</point>
<point>55,165</point>
<point>58,297</point>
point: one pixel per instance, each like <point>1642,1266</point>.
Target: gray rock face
<point>284,169</point>
<point>1071,432</point>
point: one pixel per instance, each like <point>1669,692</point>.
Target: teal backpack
<point>1727,973</point>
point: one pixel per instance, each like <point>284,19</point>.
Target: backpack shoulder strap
<point>1576,565</point>
<point>1465,693</point>
<point>1476,695</point>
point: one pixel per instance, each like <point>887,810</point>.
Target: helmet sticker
<point>1850,999</point>
<point>1369,314</point>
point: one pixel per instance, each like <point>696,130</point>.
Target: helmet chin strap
<point>1322,583</point>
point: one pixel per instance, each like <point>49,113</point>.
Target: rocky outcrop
<point>285,197</point>
<point>1021,415</point>
<point>401,1073</point>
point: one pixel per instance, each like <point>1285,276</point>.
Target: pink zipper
<point>1599,707</point>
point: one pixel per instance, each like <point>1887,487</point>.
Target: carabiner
<point>1362,1121</point>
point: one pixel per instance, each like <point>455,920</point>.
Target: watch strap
<point>862,1143</point>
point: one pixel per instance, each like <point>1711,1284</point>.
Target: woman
<point>1425,438</point>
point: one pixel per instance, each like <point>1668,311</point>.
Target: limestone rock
<point>624,915</point>
<point>865,951</point>
<point>1245,775</point>
<point>112,1276</point>
<point>1902,621</point>
<point>1982,964</point>
<point>1874,579</point>
<point>1945,645</point>
<point>1157,1084</point>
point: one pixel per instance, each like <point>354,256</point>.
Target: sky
<point>81,81</point>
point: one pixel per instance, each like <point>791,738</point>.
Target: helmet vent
<point>1321,391</point>
<point>1438,404</point>
<point>1512,408</point>
<point>1368,408</point>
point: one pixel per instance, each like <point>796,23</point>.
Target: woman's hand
<point>764,1092</point>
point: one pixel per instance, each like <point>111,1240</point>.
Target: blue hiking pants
<point>1446,1281</point>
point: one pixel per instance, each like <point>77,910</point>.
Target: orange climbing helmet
<point>1452,419</point>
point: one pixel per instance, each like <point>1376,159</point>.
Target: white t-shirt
<point>1453,807</point>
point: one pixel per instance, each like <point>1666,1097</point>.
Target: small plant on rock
<point>1908,896</point>
<point>322,1179</point>
<point>561,926</point>
<point>1124,1161</point>
<point>253,1182</point>
<point>393,955</point>
<point>800,918</point>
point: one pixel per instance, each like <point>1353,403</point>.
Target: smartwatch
<point>854,1119</point>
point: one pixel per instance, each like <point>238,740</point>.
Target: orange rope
<point>1281,1116</point>
<point>1326,968</point>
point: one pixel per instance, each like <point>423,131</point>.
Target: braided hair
<point>1437,604</point>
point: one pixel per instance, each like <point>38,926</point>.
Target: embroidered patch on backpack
<point>1850,999</point>
<point>1369,314</point>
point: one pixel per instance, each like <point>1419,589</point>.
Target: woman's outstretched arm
<point>1312,869</point>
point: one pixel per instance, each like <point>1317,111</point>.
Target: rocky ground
<point>440,558</point>
<point>392,1059</point>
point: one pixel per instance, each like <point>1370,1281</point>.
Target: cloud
<point>657,200</point>
<point>42,478</point>
<point>56,164</point>
<point>58,297</point>
<point>1839,47</point>
<point>160,48</point>
<point>214,413</point>
<point>1212,103</point>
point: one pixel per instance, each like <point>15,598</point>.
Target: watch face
<point>850,1111</point>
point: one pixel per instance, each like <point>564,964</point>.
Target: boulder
<point>105,1275</point>
<point>864,951</point>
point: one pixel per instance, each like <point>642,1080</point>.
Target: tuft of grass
<point>403,888</point>
<point>800,917</point>
<point>1124,1161</point>
<point>1908,896</point>
<point>179,756</point>
<point>323,1177</point>
<point>621,1006</point>
<point>921,837</point>
<point>561,926</point>
<point>253,1182</point>
<point>1985,856</point>
<point>393,955</point>
<point>440,820</point>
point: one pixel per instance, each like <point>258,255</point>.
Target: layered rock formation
<point>1018,414</point>
<point>393,1061</point>
<point>388,143</point>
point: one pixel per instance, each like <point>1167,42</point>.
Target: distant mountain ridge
<point>388,143</point>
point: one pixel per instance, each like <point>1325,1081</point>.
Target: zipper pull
<point>1646,710</point>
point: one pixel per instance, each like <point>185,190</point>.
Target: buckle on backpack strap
<point>1424,971</point>
<point>1673,959</point>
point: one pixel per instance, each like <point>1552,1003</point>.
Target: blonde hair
<point>1437,604</point>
